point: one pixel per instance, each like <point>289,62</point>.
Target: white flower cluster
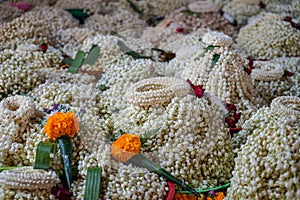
<point>241,11</point>
<point>193,143</point>
<point>129,182</point>
<point>8,13</point>
<point>18,30</point>
<point>121,75</point>
<point>220,70</point>
<point>285,8</point>
<point>32,56</point>
<point>63,76</point>
<point>90,6</point>
<point>267,165</point>
<point>109,50</point>
<point>51,19</point>
<point>139,120</point>
<point>267,36</point>
<point>71,39</point>
<point>269,80</point>
<point>206,16</point>
<point>120,20</point>
<point>17,130</point>
<point>156,91</point>
<point>217,39</point>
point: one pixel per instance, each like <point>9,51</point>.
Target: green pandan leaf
<point>92,55</point>
<point>93,183</point>
<point>114,33</point>
<point>79,14</point>
<point>130,52</point>
<point>134,7</point>
<point>191,13</point>
<point>215,60</point>
<point>65,146</point>
<point>208,48</point>
<point>43,151</point>
<point>77,62</point>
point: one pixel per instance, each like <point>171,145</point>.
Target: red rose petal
<point>179,30</point>
<point>230,107</point>
<point>198,90</point>
<point>43,47</point>
<point>288,73</point>
<point>235,130</point>
<point>230,122</point>
<point>171,191</point>
<point>237,116</point>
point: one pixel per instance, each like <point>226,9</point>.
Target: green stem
<point>141,161</point>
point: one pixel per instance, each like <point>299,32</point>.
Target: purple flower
<point>61,193</point>
<point>212,192</point>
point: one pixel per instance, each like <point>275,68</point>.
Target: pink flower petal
<point>22,6</point>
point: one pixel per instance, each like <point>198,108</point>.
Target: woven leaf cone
<point>267,165</point>
<point>220,70</point>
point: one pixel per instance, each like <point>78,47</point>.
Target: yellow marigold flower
<point>126,146</point>
<point>61,124</point>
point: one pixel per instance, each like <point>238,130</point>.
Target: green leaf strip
<point>221,187</point>
<point>191,13</point>
<point>65,146</point>
<point>134,7</point>
<point>141,161</point>
<point>130,52</point>
<point>215,60</point>
<point>79,14</point>
<point>114,33</point>
<point>43,151</point>
<point>92,55</point>
<point>77,62</point>
<point>93,183</point>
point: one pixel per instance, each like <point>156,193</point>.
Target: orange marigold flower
<point>220,196</point>
<point>185,197</point>
<point>61,124</point>
<point>126,146</point>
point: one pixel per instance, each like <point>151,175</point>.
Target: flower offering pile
<point>149,99</point>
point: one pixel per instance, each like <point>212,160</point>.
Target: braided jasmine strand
<point>158,90</point>
<point>28,178</point>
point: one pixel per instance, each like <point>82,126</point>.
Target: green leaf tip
<point>77,62</point>
<point>79,14</point>
<point>131,52</point>
<point>215,60</point>
<point>92,55</point>
<point>43,151</point>
<point>65,146</point>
